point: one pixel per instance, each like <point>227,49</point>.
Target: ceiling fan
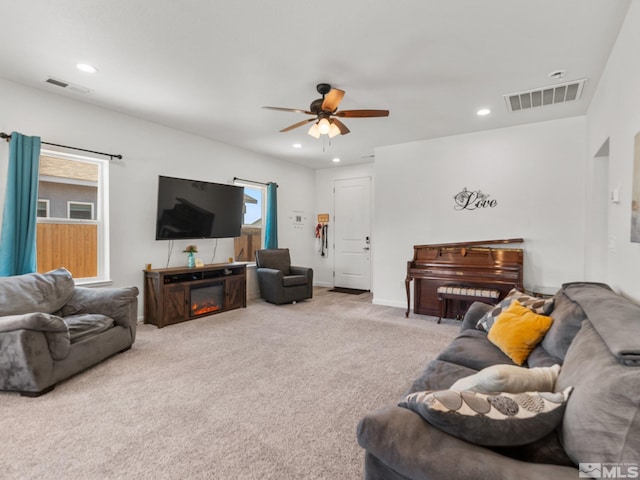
<point>325,111</point>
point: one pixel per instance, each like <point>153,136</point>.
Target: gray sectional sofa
<point>595,337</point>
<point>50,329</point>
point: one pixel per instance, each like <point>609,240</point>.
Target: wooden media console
<point>173,295</point>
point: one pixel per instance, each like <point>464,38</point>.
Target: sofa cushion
<point>567,317</point>
<point>410,448</point>
<point>518,330</point>
<point>35,292</point>
<point>545,450</point>
<point>86,325</point>
<point>472,350</point>
<point>439,375</point>
<point>539,357</point>
<point>509,378</point>
<point>499,419</point>
<point>602,420</point>
<point>538,305</point>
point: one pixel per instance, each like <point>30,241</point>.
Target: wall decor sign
<point>635,195</point>
<point>473,200</point>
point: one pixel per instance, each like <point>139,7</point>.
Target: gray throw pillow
<point>567,318</point>
<point>492,420</point>
<point>541,306</point>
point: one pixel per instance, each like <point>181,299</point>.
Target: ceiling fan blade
<point>362,113</point>
<point>299,124</point>
<point>343,128</point>
<point>332,100</point>
<point>296,110</point>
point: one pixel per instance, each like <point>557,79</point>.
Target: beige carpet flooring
<point>266,392</point>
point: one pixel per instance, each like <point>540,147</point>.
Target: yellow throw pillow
<point>518,330</point>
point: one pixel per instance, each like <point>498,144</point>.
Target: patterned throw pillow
<point>493,420</point>
<point>542,306</point>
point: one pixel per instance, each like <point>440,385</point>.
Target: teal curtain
<point>18,239</point>
<point>271,222</point>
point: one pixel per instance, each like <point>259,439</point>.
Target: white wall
<point>614,114</point>
<point>542,176</point>
<point>534,172</point>
<point>325,178</point>
<point>150,150</point>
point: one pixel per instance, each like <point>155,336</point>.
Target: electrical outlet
<point>612,243</point>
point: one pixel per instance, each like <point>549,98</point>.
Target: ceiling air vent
<point>68,86</point>
<point>540,97</point>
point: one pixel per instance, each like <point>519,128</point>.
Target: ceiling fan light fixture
<point>333,130</point>
<point>324,126</point>
<point>314,131</point>
<point>323,110</point>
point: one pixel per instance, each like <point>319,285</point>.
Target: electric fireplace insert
<point>206,298</point>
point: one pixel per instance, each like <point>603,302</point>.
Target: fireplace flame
<point>204,307</point>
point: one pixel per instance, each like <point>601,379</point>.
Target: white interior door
<point>352,240</point>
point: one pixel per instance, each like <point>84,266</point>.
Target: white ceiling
<point>208,67</point>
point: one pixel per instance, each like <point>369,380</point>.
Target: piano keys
<point>471,264</point>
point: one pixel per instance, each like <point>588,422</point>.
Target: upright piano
<point>472,264</point>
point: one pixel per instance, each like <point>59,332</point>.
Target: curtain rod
<point>111,155</point>
<point>253,181</point>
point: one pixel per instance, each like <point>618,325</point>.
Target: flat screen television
<point>190,209</point>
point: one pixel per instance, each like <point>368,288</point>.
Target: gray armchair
<point>279,281</point>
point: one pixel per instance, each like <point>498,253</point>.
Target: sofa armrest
<point>407,444</point>
<point>121,304</point>
<point>306,271</point>
<point>270,273</point>
<point>52,327</point>
<point>475,313</point>
<point>270,282</point>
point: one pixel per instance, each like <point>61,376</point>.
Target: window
<point>80,210</point>
<point>252,237</point>
<point>43,208</point>
<point>72,230</point>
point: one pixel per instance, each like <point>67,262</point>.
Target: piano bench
<point>460,292</point>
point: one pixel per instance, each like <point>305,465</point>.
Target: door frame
<point>333,235</point>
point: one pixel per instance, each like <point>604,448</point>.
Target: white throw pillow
<point>509,378</point>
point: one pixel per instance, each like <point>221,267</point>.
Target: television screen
<point>197,209</point>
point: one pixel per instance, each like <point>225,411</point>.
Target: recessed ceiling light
<point>297,145</point>
<point>336,160</point>
<point>483,111</point>
<point>85,67</point>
